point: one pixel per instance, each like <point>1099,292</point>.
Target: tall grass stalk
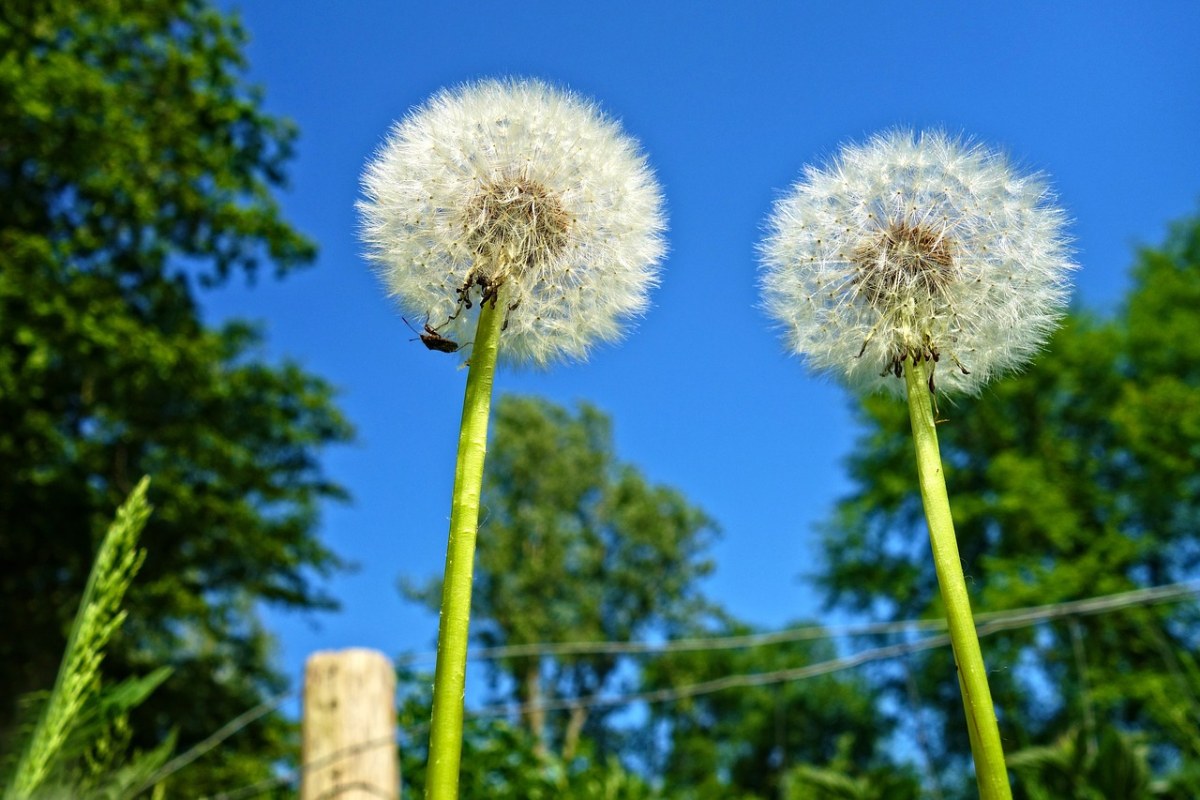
<point>98,618</point>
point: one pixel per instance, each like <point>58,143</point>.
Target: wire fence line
<point>987,623</point>
<point>293,776</point>
<point>683,691</point>
<point>992,623</point>
<point>653,696</point>
<point>218,736</point>
<point>1146,596</point>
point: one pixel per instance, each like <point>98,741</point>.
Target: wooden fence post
<point>349,727</point>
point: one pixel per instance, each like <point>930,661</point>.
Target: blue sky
<point>729,100</point>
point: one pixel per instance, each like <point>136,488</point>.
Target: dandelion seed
<point>521,185</point>
<point>921,247</point>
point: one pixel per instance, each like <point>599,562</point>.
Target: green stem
<point>99,617</point>
<point>990,771</point>
<point>445,735</point>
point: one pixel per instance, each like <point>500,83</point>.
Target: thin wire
<point>333,757</point>
<point>993,622</point>
<point>990,623</point>
<point>655,696</point>
<point>808,632</point>
<point>221,734</point>
<point>726,682</point>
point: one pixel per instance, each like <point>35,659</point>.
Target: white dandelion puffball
<point>517,190</point>
<point>916,246</point>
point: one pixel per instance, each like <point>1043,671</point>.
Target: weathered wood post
<point>349,727</point>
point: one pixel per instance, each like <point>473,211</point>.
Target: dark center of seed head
<point>516,223</point>
<point>904,261</point>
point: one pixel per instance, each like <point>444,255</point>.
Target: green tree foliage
<point>504,761</point>
<point>1076,478</point>
<point>1094,765</point>
<point>880,783</point>
<point>135,165</point>
<point>575,546</point>
<point>748,741</point>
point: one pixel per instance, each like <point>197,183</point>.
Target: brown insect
<point>434,340</point>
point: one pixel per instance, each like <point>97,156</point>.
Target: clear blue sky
<point>729,101</point>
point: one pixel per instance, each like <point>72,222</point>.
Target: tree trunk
<point>535,716</point>
<point>579,715</point>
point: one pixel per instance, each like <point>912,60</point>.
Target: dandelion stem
<point>445,736</point>
<point>990,771</point>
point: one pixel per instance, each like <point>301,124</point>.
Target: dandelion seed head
<point>916,246</point>
<point>520,185</point>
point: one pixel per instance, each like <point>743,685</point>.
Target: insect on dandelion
<point>521,189</point>
<point>916,247</point>
<point>516,216</point>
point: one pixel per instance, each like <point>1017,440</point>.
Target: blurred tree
<point>503,761</point>
<point>1075,479</point>
<point>135,165</point>
<point>574,547</point>
<point>806,782</point>
<point>1086,765</point>
<point>747,742</point>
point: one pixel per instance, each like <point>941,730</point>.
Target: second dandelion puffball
<point>916,246</point>
<point>521,190</point>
